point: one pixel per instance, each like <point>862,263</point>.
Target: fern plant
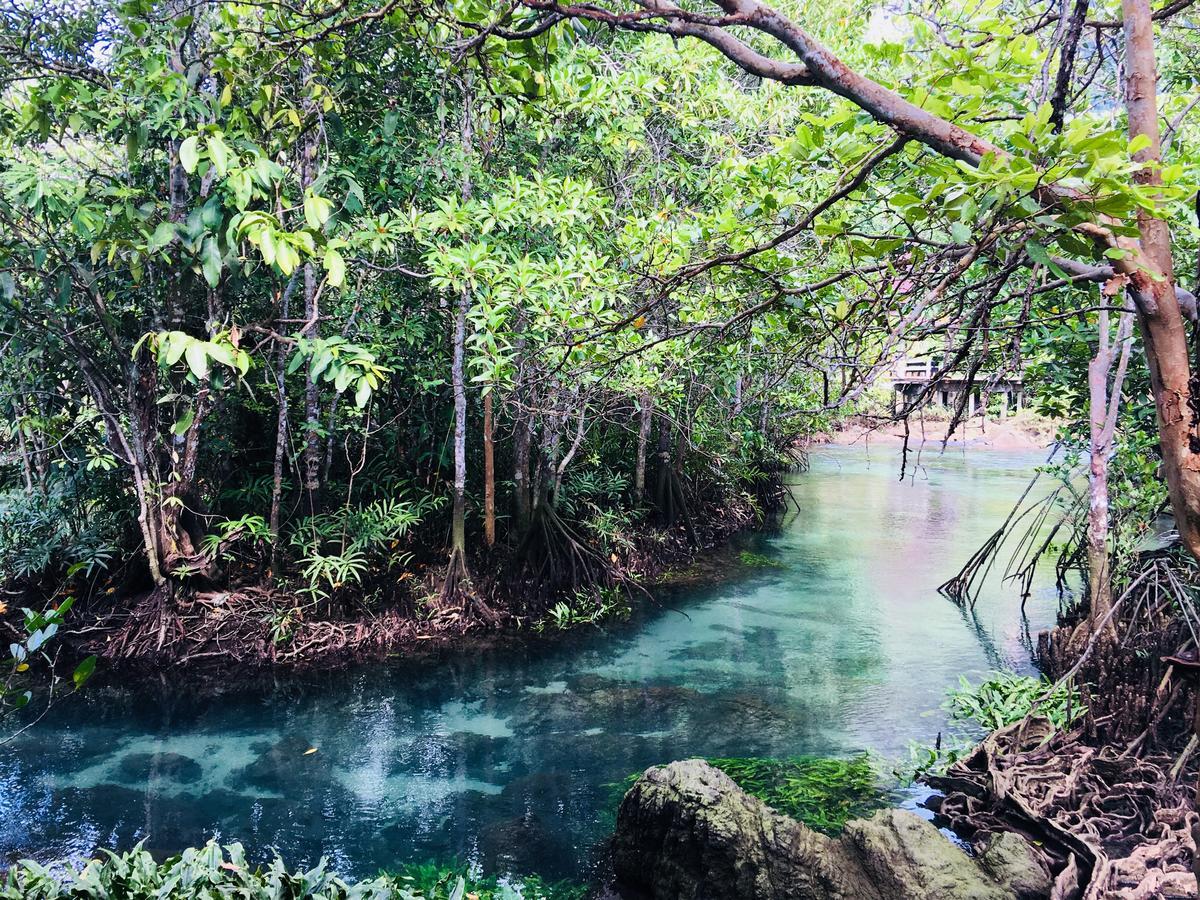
<point>341,546</point>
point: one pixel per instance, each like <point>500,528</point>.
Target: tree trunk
<point>281,422</point>
<point>489,473</point>
<point>458,529</point>
<point>1103,408</point>
<point>522,448</point>
<point>26,465</point>
<point>646,417</point>
<point>1163,330</point>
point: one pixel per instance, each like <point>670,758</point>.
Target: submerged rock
<point>686,831</point>
<point>139,767</point>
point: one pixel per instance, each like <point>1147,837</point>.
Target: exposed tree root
<point>1111,825</point>
<point>1110,803</point>
<point>553,557</point>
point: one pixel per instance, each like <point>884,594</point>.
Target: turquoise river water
<point>508,758</point>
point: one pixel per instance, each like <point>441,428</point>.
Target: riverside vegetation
<point>333,329</point>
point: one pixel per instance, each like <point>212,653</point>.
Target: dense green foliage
<point>273,303</point>
<point>217,871</point>
<point>1005,698</point>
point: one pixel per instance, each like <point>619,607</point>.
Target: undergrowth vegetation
<point>216,871</point>
<point>1003,698</point>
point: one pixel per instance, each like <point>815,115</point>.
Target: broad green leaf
<point>185,422</point>
<point>189,154</point>
<point>210,262</point>
<point>197,359</point>
<point>83,671</point>
<point>335,266</point>
<point>316,211</point>
<point>218,152</point>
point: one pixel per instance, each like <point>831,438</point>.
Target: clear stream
<point>508,758</point>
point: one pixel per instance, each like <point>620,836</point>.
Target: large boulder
<point>686,831</point>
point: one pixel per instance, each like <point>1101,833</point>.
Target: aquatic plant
<point>1003,698</point>
<point>1006,697</point>
<point>822,792</point>
<point>223,871</point>
<point>586,608</point>
<point>435,880</point>
<point>758,560</point>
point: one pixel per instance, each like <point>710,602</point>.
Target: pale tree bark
<point>1103,409</point>
<point>458,528</point>
<point>281,421</point>
<point>489,472</point>
<point>645,418</point>
<point>457,572</point>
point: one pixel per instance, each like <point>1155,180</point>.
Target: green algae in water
<point>822,792</point>
<point>754,560</point>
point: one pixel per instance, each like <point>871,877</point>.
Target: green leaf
<point>218,152</point>
<point>210,262</point>
<point>1140,142</point>
<point>317,211</point>
<point>363,393</point>
<point>336,267</point>
<point>185,422</point>
<point>172,346</point>
<point>189,154</point>
<point>163,235</point>
<point>197,359</point>
<point>83,671</point>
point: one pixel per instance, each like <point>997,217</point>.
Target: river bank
<point>251,622</point>
<point>828,642</point>
<point>926,431</point>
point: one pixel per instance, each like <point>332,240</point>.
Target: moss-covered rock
<point>686,831</point>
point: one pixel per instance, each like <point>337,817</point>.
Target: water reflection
<point>509,758</point>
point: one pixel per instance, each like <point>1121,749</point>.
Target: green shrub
<point>214,871</point>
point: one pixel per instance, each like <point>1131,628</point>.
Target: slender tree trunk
<point>458,529</point>
<point>281,422</point>
<point>1164,332</point>
<point>312,399</point>
<point>489,473</point>
<point>576,442</point>
<point>646,417</point>
<point>522,449</point>
<point>458,523</point>
<point>26,466</point>
<point>1103,408</point>
<point>312,330</point>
